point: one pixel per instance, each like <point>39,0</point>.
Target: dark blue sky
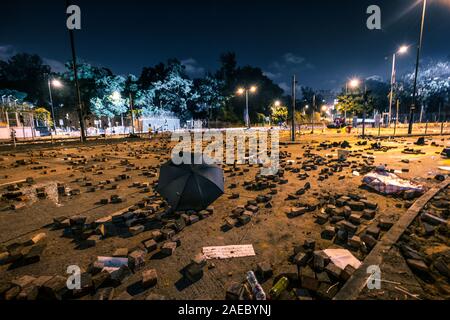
<point>323,41</point>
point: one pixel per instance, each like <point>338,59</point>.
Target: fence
<point>21,123</point>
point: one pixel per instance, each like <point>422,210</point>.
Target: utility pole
<point>391,95</point>
<point>77,85</point>
<point>396,117</point>
<point>132,114</point>
<point>364,112</point>
<point>294,85</point>
<point>247,116</point>
<point>312,113</point>
<point>419,47</point>
<point>51,103</point>
<point>439,114</point>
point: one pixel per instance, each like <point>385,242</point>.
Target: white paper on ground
<point>342,257</point>
<point>110,269</point>
<point>225,252</point>
<point>444,168</point>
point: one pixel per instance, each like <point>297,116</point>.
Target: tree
<point>175,91</point>
<point>433,85</point>
<point>150,75</point>
<point>350,103</point>
<point>26,73</point>
<point>227,71</point>
<point>248,76</point>
<point>109,101</point>
<point>89,78</point>
<point>210,95</point>
<point>379,94</point>
<point>311,98</point>
<point>14,94</point>
<point>279,114</point>
<point>43,115</point>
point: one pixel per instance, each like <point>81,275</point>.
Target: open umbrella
<point>190,186</point>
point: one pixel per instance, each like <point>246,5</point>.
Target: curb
<point>353,287</point>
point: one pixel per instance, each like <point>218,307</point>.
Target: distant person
<point>149,132</point>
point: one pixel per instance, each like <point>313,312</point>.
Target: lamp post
<point>401,50</point>
<point>57,84</point>
<point>352,83</point>
<point>276,104</point>
<point>245,91</point>
<point>355,83</point>
<point>312,113</point>
<point>81,112</point>
<point>419,47</point>
<point>132,114</point>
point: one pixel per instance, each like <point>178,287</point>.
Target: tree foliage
<point>26,73</point>
<point>109,101</point>
<point>279,114</point>
<point>90,82</point>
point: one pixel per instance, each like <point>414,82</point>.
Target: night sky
<point>323,42</point>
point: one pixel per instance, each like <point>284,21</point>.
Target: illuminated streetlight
<point>277,103</point>
<point>401,50</point>
<point>241,91</point>
<point>57,84</point>
<point>354,83</point>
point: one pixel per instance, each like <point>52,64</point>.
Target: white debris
<point>225,252</point>
<point>389,183</point>
<point>342,257</point>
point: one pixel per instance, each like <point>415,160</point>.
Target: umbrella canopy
<point>190,186</point>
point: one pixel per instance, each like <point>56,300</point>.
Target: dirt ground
<point>271,232</point>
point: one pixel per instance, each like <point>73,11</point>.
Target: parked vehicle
<point>337,124</point>
<point>43,131</point>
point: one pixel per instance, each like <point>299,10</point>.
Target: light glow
<point>116,95</point>
<point>56,83</point>
<point>402,50</point>
<point>354,83</point>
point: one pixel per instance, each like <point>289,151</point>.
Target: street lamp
<point>116,95</point>
<point>245,91</point>
<point>419,47</point>
<point>401,50</point>
<point>57,84</point>
<point>354,83</point>
<point>277,103</point>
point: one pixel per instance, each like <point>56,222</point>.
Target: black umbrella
<point>190,186</point>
